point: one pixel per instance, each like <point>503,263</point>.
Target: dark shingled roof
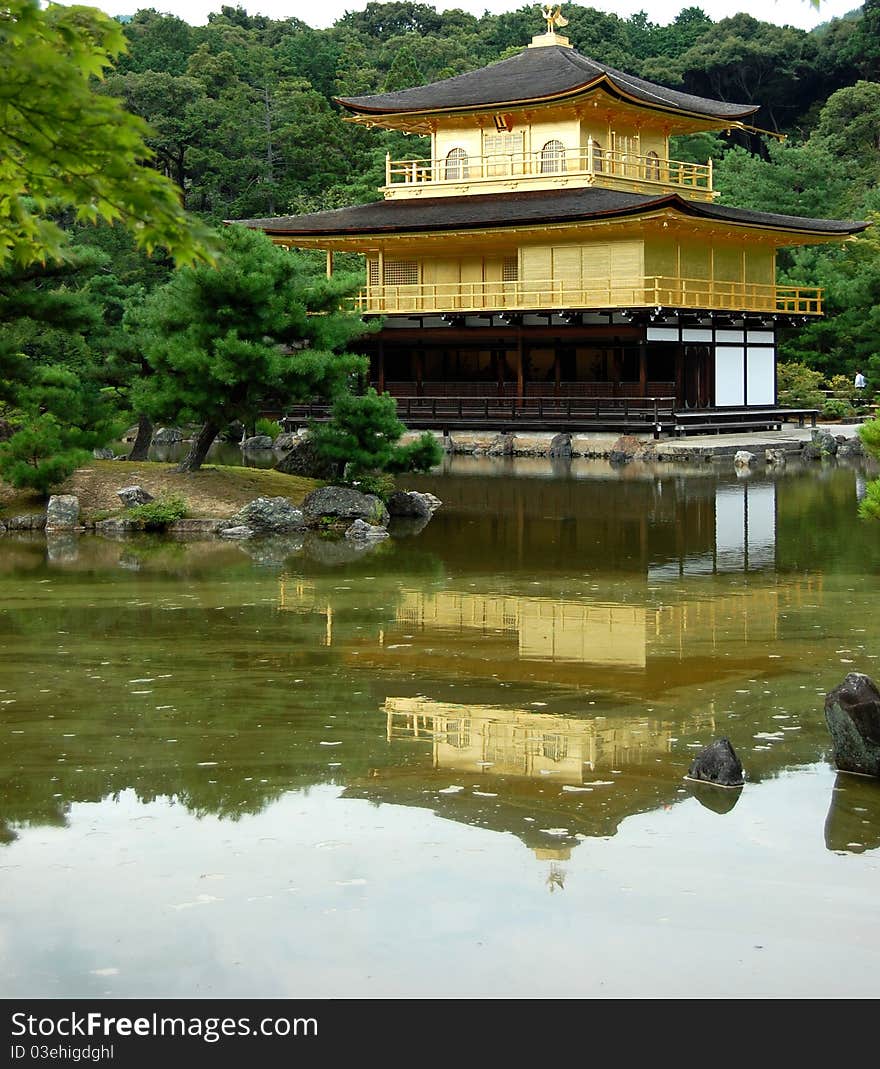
<point>494,210</point>
<point>536,74</point>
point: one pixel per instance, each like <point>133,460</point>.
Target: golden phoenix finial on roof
<point>553,16</point>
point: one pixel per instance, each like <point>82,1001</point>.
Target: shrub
<point>39,456</point>
<point>267,426</point>
<point>159,514</point>
<point>870,434</point>
<point>799,386</point>
<point>374,482</point>
<point>869,506</point>
<point>837,408</point>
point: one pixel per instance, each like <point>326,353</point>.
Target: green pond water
<point>452,765</point>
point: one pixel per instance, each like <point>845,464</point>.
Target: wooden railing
<point>649,292</point>
<point>549,164</point>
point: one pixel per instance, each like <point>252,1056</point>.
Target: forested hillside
<point>243,121</point>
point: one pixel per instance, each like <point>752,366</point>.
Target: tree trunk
<point>143,439</point>
<point>199,448</point>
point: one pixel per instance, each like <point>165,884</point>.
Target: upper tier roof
<point>538,74</point>
<point>536,207</point>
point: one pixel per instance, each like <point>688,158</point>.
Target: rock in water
<point>240,531</point>
<point>62,512</point>
<point>130,496</point>
<point>743,459</point>
<point>259,443</point>
<point>775,457</point>
<point>269,515</point>
<point>343,503</point>
<point>717,763</point>
<point>365,532</point>
<point>852,713</point>
<point>824,441</point>
<point>412,503</point>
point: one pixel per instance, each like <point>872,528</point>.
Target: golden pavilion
<point>550,247</point>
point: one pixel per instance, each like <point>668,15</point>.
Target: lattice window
<point>553,158</point>
<point>372,272</point>
<point>456,164</point>
<point>503,150</point>
<point>401,273</point>
<point>510,269</point>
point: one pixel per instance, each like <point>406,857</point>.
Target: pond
<point>451,766</point>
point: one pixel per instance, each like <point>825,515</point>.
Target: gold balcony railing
<point>550,164</point>
<point>654,291</point>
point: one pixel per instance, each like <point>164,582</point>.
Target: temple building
<point>550,247</point>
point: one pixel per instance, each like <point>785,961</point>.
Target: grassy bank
<point>218,490</point>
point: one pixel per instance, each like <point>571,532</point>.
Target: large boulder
<point>115,525</point>
<point>824,441</point>
<point>501,446</point>
<point>365,532</point>
<point>259,443</point>
<point>167,435</point>
<point>743,459</point>
<point>62,512</point>
<point>560,446</point>
<point>850,447</point>
<point>343,503</point>
<point>717,764</point>
<point>269,515</point>
<point>287,441</point>
<point>301,458</point>
<point>775,458</point>
<point>131,496</point>
<point>103,453</point>
<point>412,503</point>
<point>852,713</point>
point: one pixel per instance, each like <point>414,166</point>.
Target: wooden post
<point>519,367</point>
<point>329,263</point>
<point>387,168</point>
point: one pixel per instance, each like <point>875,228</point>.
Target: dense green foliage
<point>63,145</point>
<point>363,435</point>
<point>224,341</point>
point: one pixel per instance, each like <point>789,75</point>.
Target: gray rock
<point>130,496</point>
<point>412,503</point>
<point>775,457</point>
<point>115,525</point>
<point>167,435</point>
<point>811,452</point>
<point>269,515</point>
<point>500,446</point>
<point>131,434</point>
<point>241,531</point>
<point>718,764</point>
<point>852,713</point>
<point>62,512</point>
<point>824,441</point>
<point>624,450</point>
<point>743,459</point>
<point>343,503</point>
<point>287,441</point>
<point>366,532</point>
<point>30,521</point>
<point>560,445</point>
<point>301,458</point>
<point>851,447</point>
<point>260,443</point>
<point>103,454</point>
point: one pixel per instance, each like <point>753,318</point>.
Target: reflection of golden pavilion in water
<point>497,741</point>
<point>568,631</point>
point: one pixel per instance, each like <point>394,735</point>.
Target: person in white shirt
<point>860,382</point>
